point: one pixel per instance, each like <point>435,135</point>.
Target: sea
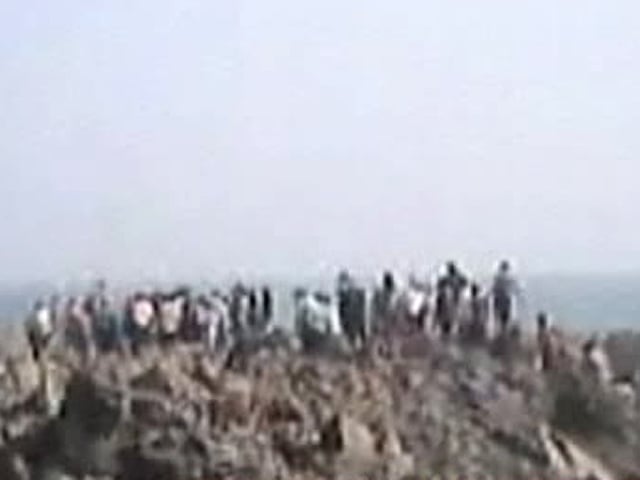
<point>586,302</point>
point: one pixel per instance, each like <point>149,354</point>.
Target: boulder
<point>350,442</point>
<point>232,404</point>
<point>27,376</point>
<point>623,350</point>
<point>151,464</point>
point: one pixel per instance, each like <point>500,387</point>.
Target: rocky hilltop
<point>431,410</point>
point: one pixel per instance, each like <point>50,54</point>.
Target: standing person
<point>443,309</point>
<point>416,305</point>
<point>207,320</point>
<point>253,316</point>
<point>105,328</point>
<point>595,362</point>
<point>383,305</point>
<point>478,315</point>
<point>139,323</point>
<point>79,329</point>
<point>185,314</point>
<point>97,300</point>
<point>352,306</point>
<point>358,300</point>
<point>218,333</point>
<point>267,307</point>
<point>39,329</point>
<point>315,319</point>
<point>172,321</point>
<point>237,312</point>
<point>449,290</point>
<point>343,286</point>
<point>503,291</point>
<point>545,342</point>
<point>456,282</point>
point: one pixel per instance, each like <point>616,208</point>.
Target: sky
<point>199,138</point>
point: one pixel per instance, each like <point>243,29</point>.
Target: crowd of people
<point>95,323</point>
<point>452,305</point>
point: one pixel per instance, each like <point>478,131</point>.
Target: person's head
<point>475,290</point>
<point>542,321</point>
<point>101,285</point>
<point>589,346</point>
<point>202,300</point>
<point>451,268</point>
<point>54,300</point>
<point>299,293</point>
<point>322,297</point>
<point>388,282</point>
<point>504,266</point>
<point>345,281</point>
<point>182,291</point>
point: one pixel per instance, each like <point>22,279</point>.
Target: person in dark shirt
<point>449,290</point>
<point>545,343</point>
<point>383,305</point>
<point>444,317</point>
<point>253,318</point>
<point>352,306</point>
<point>105,324</point>
<point>456,282</point>
<point>478,315</point>
<point>267,307</point>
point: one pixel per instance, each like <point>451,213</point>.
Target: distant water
<point>593,302</point>
<point>586,302</point>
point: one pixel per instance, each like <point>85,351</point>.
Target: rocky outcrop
<point>623,349</point>
<point>430,411</point>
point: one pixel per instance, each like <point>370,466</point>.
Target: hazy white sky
<point>192,138</point>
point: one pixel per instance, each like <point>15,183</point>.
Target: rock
<point>27,375</point>
<point>89,417</point>
<point>13,466</point>
<point>399,466</point>
<point>182,415</point>
<point>235,404</point>
<point>623,350</point>
<point>207,373</point>
<point>151,464</point>
<point>413,379</point>
<point>149,408</point>
<point>350,443</point>
<point>161,378</point>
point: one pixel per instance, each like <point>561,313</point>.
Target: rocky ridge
<point>432,411</point>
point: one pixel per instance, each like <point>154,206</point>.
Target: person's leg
<point>363,332</point>
<point>503,319</point>
<point>33,345</point>
<point>503,313</point>
<point>447,328</point>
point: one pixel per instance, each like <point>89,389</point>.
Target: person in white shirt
<point>595,362</point>
<point>140,320</point>
<point>316,318</point>
<point>78,328</point>
<point>171,314</point>
<point>416,305</point>
<point>39,328</point>
<point>212,317</point>
<point>503,291</point>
